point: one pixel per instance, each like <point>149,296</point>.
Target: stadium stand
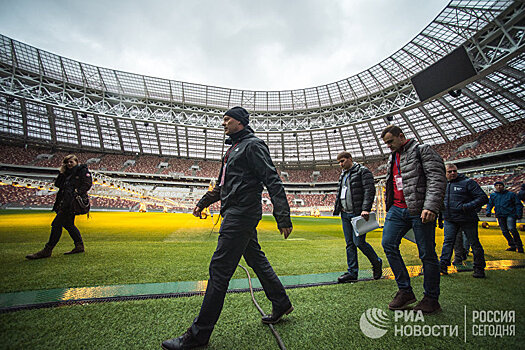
<point>179,166</point>
<point>209,169</point>
<point>494,140</point>
<point>17,154</point>
<point>146,165</point>
<point>113,162</point>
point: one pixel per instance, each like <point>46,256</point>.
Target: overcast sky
<point>254,45</point>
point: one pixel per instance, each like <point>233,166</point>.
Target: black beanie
<point>239,114</point>
<point>499,183</point>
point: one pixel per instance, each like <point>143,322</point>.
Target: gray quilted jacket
<point>424,180</point>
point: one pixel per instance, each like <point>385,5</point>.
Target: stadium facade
<point>53,102</point>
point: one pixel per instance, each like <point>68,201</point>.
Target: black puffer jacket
<point>362,188</point>
<point>423,175</point>
<point>77,179</point>
<point>248,168</point>
<point>463,199</point>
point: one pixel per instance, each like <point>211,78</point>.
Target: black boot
<point>185,341</point>
<point>44,253</point>
<point>479,273</point>
<point>377,269</point>
<point>79,248</point>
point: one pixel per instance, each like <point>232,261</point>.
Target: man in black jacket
<point>463,199</point>
<point>246,167</point>
<point>355,196</point>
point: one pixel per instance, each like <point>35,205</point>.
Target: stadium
<point>154,147</point>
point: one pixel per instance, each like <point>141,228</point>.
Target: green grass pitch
<point>126,248</point>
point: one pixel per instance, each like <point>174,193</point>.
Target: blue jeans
<point>353,242</point>
<point>506,224</point>
<point>470,229</point>
<point>397,223</point>
<point>461,247</point>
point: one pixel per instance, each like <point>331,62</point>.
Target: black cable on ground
<point>274,332</point>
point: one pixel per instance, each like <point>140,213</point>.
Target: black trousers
<point>237,237</point>
<point>64,219</point>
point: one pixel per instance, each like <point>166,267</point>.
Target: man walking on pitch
<point>246,167</point>
<point>355,196</point>
<point>415,187</point>
<point>463,199</point>
<point>508,209</point>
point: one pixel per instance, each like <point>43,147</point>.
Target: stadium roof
<point>49,99</point>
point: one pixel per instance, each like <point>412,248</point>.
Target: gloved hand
<point>488,215</point>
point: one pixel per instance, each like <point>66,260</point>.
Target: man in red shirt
<point>415,187</point>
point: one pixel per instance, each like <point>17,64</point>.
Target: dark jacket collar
<point>240,135</point>
<point>72,170</point>
<point>459,178</point>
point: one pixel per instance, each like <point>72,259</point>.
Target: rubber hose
<point>274,332</point>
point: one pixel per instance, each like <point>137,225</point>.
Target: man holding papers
<point>355,197</point>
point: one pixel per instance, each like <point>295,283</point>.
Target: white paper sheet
<point>361,226</point>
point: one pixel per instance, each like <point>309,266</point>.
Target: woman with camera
<point>73,180</point>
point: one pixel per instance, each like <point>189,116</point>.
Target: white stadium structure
<point>158,140</point>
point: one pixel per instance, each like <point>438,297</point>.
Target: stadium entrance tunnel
<point>26,300</point>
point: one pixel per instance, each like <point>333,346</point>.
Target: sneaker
<point>510,249</point>
<point>443,269</point>
<point>428,306</point>
<point>185,341</point>
<point>377,268</point>
<point>276,316</point>
<point>346,278</point>
<point>402,299</point>
<point>479,273</point>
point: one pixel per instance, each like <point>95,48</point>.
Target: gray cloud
<point>270,45</point>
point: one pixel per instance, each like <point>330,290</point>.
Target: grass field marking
<point>465,314</point>
<point>144,289</point>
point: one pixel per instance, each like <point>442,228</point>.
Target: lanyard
<point>345,178</point>
<point>228,153</point>
<point>224,164</point>
<point>398,163</point>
